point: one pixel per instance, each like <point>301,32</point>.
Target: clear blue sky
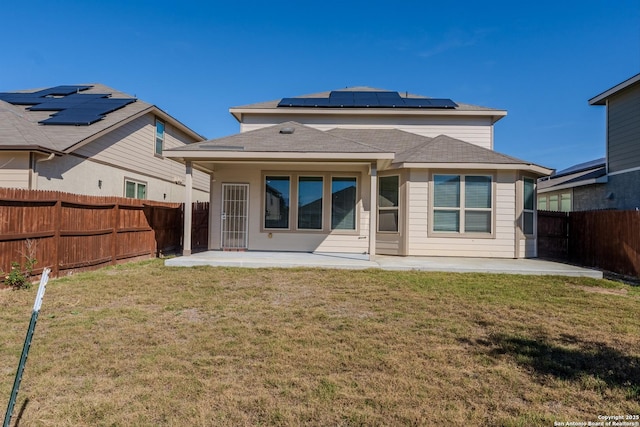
<point>539,60</point>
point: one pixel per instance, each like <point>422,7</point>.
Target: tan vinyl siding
<point>274,240</point>
<point>502,246</point>
<point>478,131</point>
<point>623,130</point>
<point>131,147</point>
<point>14,169</point>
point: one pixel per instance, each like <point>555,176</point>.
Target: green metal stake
<point>27,344</point>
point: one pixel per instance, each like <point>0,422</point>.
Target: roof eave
<point>602,98</point>
<point>31,148</point>
<point>189,155</point>
<point>238,113</point>
<point>529,167</point>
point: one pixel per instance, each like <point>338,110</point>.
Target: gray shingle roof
<point>391,140</point>
<point>412,148</point>
<point>304,139</point>
<point>407,147</point>
<point>19,127</point>
<point>444,149</point>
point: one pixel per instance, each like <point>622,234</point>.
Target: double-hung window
<point>462,204</point>
<point>388,198</point>
<point>528,206</point>
<point>159,145</point>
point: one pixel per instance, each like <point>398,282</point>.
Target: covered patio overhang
<point>209,161</point>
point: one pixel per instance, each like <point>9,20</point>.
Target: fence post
<point>114,240</point>
<point>27,345</point>
<point>57,240</point>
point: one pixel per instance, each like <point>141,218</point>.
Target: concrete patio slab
<point>256,259</point>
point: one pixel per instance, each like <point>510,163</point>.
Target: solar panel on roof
<point>73,107</point>
<point>367,99</point>
<point>69,101</point>
<point>316,102</point>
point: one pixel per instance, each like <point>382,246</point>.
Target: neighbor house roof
<point>20,127</point>
<point>270,107</point>
<point>294,141</point>
<point>602,98</point>
<point>591,172</point>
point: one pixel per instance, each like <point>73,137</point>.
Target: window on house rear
<point>343,203</point>
<point>462,204</point>
<point>135,189</point>
<point>388,203</point>
<point>159,146</point>
<point>310,192</point>
<point>528,211</point>
<point>276,202</point>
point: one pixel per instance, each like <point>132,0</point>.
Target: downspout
<point>33,176</point>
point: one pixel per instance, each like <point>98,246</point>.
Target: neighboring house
<point>614,181</point>
<point>363,170</point>
<point>574,188</point>
<point>91,139</point>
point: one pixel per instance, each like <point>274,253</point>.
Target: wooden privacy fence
<point>70,232</point>
<point>553,235</point>
<point>606,239</point>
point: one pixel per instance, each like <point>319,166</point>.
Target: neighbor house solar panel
<point>69,101</point>
<point>73,107</point>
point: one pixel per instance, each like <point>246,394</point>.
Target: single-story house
<point>94,140</point>
<point>365,170</point>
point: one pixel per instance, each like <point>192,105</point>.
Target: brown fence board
<point>605,239</point>
<point>609,240</point>
<point>553,235</point>
<point>76,232</point>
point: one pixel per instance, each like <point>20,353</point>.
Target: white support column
<point>373,210</point>
<point>212,212</point>
<point>188,209</point>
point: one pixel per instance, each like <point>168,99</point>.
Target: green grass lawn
<point>141,344</point>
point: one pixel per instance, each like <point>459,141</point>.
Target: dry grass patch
<point>142,344</point>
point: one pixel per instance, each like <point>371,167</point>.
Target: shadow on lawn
<point>570,359</point>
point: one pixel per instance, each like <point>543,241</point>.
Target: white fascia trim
<point>239,112</point>
<point>265,155</point>
<point>478,166</point>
